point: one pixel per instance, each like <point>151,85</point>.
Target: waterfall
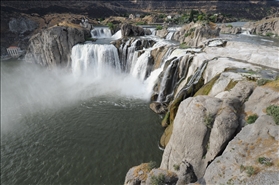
<point>101,32</point>
<point>94,57</point>
<point>169,36</point>
<point>169,79</point>
<point>131,55</point>
<point>117,35</point>
<point>139,70</point>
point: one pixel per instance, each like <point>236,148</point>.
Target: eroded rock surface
<point>52,47</point>
<point>240,162</point>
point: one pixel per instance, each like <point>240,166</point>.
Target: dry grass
<point>273,85</point>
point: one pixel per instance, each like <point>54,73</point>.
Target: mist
<point>28,88</point>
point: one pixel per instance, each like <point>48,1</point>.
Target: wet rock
<point>158,107</point>
<point>215,42</point>
<point>147,32</point>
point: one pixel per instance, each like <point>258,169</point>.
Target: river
<point>56,130</point>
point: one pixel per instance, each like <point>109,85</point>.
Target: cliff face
<point>52,47</point>
<point>210,95</point>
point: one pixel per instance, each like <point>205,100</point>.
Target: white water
<point>94,58</point>
<point>169,36</point>
<point>139,68</point>
<point>99,67</point>
<point>101,32</point>
<point>117,35</point>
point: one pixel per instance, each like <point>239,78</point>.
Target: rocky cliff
<point>211,97</point>
<point>268,26</point>
<point>52,47</point>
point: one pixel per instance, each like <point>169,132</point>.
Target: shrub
<point>250,170</point>
<point>213,18</point>
<point>265,161</point>
<point>187,34</point>
<point>162,16</point>
<point>151,165</point>
<point>252,118</point>
<point>176,167</point>
<point>140,23</point>
<point>269,34</point>
<point>229,25</point>
<point>158,180</point>
<point>273,110</point>
<point>159,27</point>
<point>261,82</point>
<point>208,119</point>
<point>242,168</point>
<point>110,25</point>
<point>183,46</point>
<point>200,17</point>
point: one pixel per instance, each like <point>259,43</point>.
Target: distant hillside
<point>100,9</point>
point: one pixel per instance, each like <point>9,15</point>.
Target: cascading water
<point>139,70</point>
<point>101,32</point>
<point>94,58</point>
<point>131,55</point>
<point>169,36</point>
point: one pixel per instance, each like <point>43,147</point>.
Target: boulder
<point>194,34</point>
<point>138,174</point>
<point>52,47</point>
<point>250,158</point>
<point>203,126</point>
<point>186,174</point>
<point>147,31</point>
<point>129,30</point>
<point>159,108</point>
<point>262,97</point>
<point>161,176</point>
<point>162,33</point>
<point>230,29</point>
<point>202,33</point>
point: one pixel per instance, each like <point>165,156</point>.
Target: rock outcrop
<point>211,123</point>
<point>146,174</point>
<point>22,25</point>
<point>250,158</point>
<point>129,30</point>
<point>162,33</point>
<point>194,34</point>
<point>52,47</point>
<point>267,26</point>
<point>228,29</point>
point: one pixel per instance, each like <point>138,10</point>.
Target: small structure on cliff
<point>14,51</point>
